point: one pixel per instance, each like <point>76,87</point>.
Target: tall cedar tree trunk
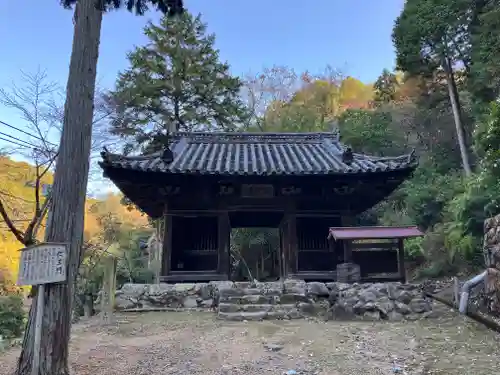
<point>69,188</point>
<point>457,115</point>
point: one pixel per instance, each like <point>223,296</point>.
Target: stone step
<point>241,316</point>
<point>261,299</point>
<point>232,307</point>
<point>277,314</point>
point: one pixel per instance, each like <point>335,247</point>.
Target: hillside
<point>18,197</point>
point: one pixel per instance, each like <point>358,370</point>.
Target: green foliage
<point>385,88</point>
<point>170,7</point>
<point>414,249</point>
<point>427,194</point>
<point>481,196</point>
<point>429,31</point>
<point>253,252</point>
<point>12,316</point>
<point>175,82</point>
<point>484,80</point>
<point>370,132</point>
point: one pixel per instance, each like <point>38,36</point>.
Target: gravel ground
<point>195,343</point>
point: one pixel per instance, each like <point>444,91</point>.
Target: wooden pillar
<point>283,229</point>
<point>347,220</point>
<point>293,243</point>
<point>167,243</point>
<point>289,250</point>
<point>224,234</point>
<point>401,260</point>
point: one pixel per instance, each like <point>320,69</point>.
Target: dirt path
<point>194,343</point>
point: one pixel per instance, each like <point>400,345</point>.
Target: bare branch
<point>5,216</point>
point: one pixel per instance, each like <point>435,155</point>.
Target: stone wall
<point>492,258</point>
<point>288,300</point>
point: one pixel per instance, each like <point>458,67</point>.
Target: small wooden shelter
<point>378,251</point>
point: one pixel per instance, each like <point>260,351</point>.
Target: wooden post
<point>158,249</point>
<point>401,260</point>
<point>284,247</point>
<point>108,289</point>
<point>292,243</point>
<point>224,232</point>
<point>347,221</point>
<point>167,243</point>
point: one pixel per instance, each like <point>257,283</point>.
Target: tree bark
<point>69,188</point>
<point>457,116</point>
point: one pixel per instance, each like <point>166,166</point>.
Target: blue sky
<point>352,35</point>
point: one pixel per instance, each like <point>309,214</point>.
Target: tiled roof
<point>258,154</point>
<point>357,233</point>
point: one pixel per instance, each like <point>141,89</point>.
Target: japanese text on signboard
<point>42,264</point>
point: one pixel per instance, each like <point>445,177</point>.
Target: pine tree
<point>385,87</point>
<point>175,82</point>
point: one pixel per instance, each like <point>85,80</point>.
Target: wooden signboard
<point>43,263</point>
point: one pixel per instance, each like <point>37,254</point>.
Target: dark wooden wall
<point>195,243</point>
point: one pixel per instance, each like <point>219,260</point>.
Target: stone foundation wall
<point>283,300</point>
<point>492,258</point>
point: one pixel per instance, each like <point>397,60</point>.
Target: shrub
<point>12,316</point>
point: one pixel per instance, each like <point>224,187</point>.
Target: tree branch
<point>16,232</point>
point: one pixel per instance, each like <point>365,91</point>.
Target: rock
<point>158,289</point>
<point>190,302</point>
<point>122,303</point>
<point>254,316</point>
<point>224,284</point>
<point>294,314</point>
<point>255,299</point>
<point>290,283</point>
<point>371,315</point>
<point>419,305</point>
<point>384,305</point>
<point>293,298</point>
<point>404,297</point>
<point>340,311</point>
<point>234,316</point>
<point>394,316</point>
<point>257,308</point>
<point>229,308</point>
<point>273,347</point>
<point>367,296</point>
<point>412,317</point>
<point>317,289</point>
<point>252,291</point>
<point>306,308</point>
<point>433,314</point>
<point>133,290</point>
<point>402,308</point>
<point>204,290</point>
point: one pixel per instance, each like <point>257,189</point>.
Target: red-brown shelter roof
<point>359,233</point>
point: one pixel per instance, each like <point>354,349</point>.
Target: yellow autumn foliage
<point>18,197</point>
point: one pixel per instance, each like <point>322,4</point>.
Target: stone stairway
<point>259,301</point>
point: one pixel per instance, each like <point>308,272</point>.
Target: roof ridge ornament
<point>347,156</point>
<point>412,157</point>
<point>167,155</point>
